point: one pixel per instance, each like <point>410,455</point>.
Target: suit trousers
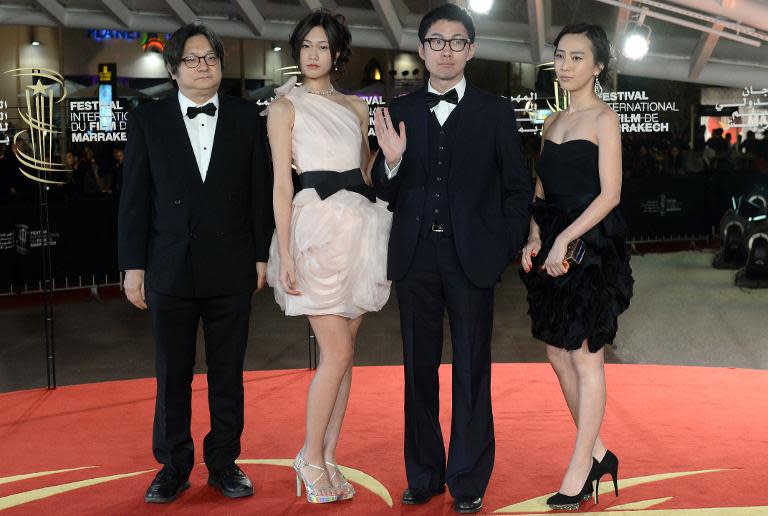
<point>435,282</point>
<point>174,325</point>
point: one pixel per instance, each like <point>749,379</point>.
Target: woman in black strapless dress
<point>574,307</point>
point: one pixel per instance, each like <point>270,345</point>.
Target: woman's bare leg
<point>336,350</point>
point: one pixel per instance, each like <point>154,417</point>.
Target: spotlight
<point>481,6</point>
<point>637,40</point>
<point>757,204</point>
<point>733,253</point>
<point>755,272</point>
<point>34,36</point>
<point>277,48</point>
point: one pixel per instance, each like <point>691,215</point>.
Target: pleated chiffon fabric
<point>338,244</point>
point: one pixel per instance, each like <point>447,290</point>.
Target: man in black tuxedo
<point>460,196</point>
<point>195,225</point>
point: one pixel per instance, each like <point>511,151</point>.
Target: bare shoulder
<point>606,115</point>
<point>280,110</point>
<point>607,121</point>
<point>354,99</point>
<point>360,106</point>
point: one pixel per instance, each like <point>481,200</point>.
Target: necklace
<point>329,91</point>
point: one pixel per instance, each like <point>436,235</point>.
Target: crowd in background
<point>89,174</point>
<point>644,154</point>
<point>650,154</point>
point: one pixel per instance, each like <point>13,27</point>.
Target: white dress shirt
<point>201,131</point>
<point>442,111</point>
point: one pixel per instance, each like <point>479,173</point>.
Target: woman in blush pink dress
<point>328,257</point>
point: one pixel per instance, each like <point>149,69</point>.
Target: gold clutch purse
<point>574,253</point>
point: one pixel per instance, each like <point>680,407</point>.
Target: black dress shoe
<point>415,496</point>
<point>467,504</point>
<point>231,481</point>
<point>166,486</point>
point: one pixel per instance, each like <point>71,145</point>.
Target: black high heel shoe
<point>610,466</point>
<point>562,502</point>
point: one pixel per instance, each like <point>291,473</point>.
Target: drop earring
<point>598,87</point>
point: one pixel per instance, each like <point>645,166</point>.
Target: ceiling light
<point>481,6</point>
<point>637,41</point>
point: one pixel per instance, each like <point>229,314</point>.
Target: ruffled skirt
<point>339,247</point>
<point>584,303</point>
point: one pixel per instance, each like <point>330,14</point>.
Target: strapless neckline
<point>546,140</point>
<point>570,169</point>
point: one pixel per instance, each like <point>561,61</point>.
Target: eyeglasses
<point>194,61</point>
<point>437,44</point>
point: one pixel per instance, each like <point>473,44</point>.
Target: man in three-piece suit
<point>195,225</point>
<point>460,196</point>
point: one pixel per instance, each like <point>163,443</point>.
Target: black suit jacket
<point>489,191</point>
<point>195,239</point>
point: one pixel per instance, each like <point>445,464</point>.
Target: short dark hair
<point>174,47</point>
<point>451,12</point>
<point>601,47</point>
<point>336,30</point>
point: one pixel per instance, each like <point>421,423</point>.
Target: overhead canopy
<point>514,30</point>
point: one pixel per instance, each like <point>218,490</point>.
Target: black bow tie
<point>209,109</point>
<point>433,99</point>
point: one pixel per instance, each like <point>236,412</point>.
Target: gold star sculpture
<point>38,89</point>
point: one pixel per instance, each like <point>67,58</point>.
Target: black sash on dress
<point>328,182</point>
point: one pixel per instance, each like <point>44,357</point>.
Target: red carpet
<point>691,441</point>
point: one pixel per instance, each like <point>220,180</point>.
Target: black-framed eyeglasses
<point>194,61</point>
<point>457,45</point>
